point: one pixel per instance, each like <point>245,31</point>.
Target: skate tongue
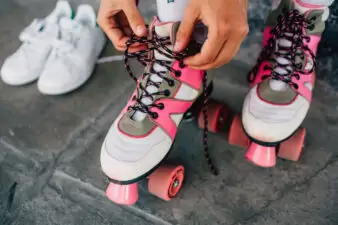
<point>278,85</point>
<point>162,30</point>
<point>168,29</point>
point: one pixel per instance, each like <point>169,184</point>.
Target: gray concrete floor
<point>49,153</point>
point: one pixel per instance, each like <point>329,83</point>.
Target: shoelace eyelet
<point>154,115</point>
<point>311,27</point>
<point>266,67</point>
<point>265,77</point>
<point>160,106</point>
<point>182,65</point>
<point>295,85</point>
<point>167,93</point>
<point>171,83</point>
<point>178,73</point>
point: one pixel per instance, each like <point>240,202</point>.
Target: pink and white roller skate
<point>282,82</point>
<point>142,135</point>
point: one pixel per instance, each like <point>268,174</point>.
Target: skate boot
<point>282,82</point>
<point>142,135</point>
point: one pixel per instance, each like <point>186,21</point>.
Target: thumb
<point>186,28</point>
<point>134,18</point>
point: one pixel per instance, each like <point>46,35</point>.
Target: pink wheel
<point>217,113</point>
<point>261,155</point>
<point>292,148</point>
<point>166,181</point>
<point>237,135</point>
<point>122,194</point>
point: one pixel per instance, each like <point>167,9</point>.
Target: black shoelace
<point>289,26</point>
<point>160,45</point>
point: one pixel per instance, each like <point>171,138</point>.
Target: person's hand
<point>227,27</point>
<point>118,19</point>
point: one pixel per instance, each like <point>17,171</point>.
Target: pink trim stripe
<point>172,106</point>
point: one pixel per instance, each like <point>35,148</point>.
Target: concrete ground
<point>49,148</point>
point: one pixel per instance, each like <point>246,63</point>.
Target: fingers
<point>124,24</point>
<point>107,22</point>
<point>211,48</point>
<point>137,48</point>
<point>226,31</point>
<point>117,37</point>
<point>113,18</point>
<point>127,31</point>
<point>228,51</point>
<point>135,19</point>
<point>186,27</point>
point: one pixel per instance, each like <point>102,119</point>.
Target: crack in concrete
<point>46,173</point>
<point>130,208</point>
<point>287,190</point>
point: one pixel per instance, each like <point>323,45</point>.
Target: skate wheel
<point>122,194</point>
<point>237,135</point>
<point>217,113</point>
<point>292,148</point>
<point>166,181</point>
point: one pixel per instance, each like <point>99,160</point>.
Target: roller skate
<point>222,120</point>
<point>142,135</point>
<point>282,82</point>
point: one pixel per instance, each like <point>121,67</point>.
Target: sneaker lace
<point>160,45</point>
<point>69,38</point>
<point>289,28</point>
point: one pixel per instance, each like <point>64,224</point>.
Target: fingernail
<point>177,46</point>
<point>139,30</point>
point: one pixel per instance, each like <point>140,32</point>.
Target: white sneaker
<point>74,55</point>
<point>27,63</point>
